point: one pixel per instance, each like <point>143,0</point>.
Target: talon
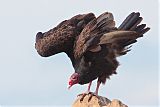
<point>90,93</point>
<point>79,95</point>
<point>83,95</point>
<point>90,97</point>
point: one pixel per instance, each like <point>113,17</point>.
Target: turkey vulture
<point>92,43</point>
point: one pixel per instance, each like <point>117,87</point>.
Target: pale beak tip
<point>69,87</point>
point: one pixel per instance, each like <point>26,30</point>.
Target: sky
<point>28,79</point>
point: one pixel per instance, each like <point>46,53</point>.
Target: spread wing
<point>61,38</point>
<point>102,31</point>
<point>52,42</point>
<point>126,34</point>
<point>88,38</point>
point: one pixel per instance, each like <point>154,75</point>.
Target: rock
<point>116,103</point>
<point>97,102</point>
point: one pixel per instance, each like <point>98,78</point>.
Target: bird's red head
<point>74,79</point>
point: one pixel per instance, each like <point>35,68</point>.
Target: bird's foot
<point>91,94</point>
<point>83,95</point>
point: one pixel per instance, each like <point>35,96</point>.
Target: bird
<point>94,46</point>
<point>100,43</point>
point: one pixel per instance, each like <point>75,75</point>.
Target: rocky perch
<point>97,102</point>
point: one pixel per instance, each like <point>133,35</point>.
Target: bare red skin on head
<point>70,82</point>
<point>74,79</point>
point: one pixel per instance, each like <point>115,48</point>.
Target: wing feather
<point>61,38</point>
<point>102,31</point>
<point>112,37</point>
<point>90,35</point>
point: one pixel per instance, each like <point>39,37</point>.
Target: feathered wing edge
<point>61,38</point>
<point>90,36</point>
<point>126,34</point>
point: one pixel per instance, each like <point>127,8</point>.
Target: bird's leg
<point>96,92</point>
<point>89,87</point>
<point>88,91</point>
<point>97,88</point>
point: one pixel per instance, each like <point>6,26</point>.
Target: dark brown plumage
<point>93,44</point>
<point>62,37</point>
<point>100,43</point>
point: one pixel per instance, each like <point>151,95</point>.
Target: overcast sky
<point>28,79</point>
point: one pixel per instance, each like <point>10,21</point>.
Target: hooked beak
<point>74,79</point>
<point>72,82</point>
<point>70,85</point>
